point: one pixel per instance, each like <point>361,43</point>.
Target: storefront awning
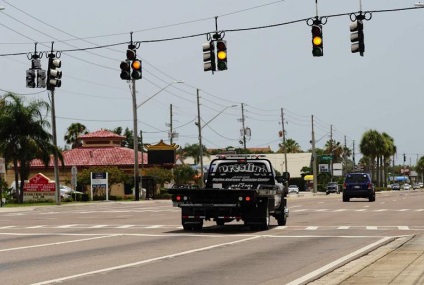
<point>308,177</point>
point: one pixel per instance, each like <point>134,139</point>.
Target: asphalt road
<point>143,242</point>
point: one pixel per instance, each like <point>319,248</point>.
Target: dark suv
<point>358,185</point>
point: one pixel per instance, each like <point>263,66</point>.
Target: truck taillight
<point>248,198</point>
<point>344,185</point>
<point>178,198</point>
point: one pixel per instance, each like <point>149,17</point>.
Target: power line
<point>227,30</point>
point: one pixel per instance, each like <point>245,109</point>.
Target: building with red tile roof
<point>99,148</point>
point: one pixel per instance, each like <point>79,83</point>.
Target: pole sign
<point>99,184</point>
<point>74,172</point>
<point>39,187</point>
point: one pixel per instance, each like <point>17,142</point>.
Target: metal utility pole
<point>314,159</point>
<point>136,174</point>
<point>284,140</point>
<point>171,135</point>
<point>344,158</point>
<point>353,155</point>
<point>331,152</point>
<point>244,129</point>
<point>284,146</point>
<point>200,139</point>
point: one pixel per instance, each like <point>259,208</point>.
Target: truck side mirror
<point>286,176</point>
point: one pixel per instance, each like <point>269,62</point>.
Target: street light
<point>232,106</point>
<point>135,131</point>
<point>169,84</point>
<point>200,133</point>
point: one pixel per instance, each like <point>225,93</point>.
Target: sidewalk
<point>400,262</point>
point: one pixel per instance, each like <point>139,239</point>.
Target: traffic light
<point>53,73</point>
<point>125,70</point>
<point>221,54</point>
<point>357,37</point>
<point>131,52</point>
<point>136,69</point>
<point>209,56</point>
<point>41,78</point>
<point>30,78</point>
<point>317,43</point>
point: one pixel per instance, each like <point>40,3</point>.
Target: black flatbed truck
<point>237,187</point>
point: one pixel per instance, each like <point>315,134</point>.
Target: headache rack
<point>240,156</point>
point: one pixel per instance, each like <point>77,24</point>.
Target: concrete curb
<point>355,265</point>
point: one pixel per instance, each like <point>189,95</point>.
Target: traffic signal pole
<point>136,174</point>
<point>55,160</point>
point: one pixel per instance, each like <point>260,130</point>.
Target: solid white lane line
<point>144,261</point>
<point>55,243</point>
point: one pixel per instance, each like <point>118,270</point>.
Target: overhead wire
<point>174,38</point>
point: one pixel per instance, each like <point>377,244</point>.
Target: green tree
<point>161,175</point>
<point>23,136</point>
<point>335,149</point>
<point>193,150</point>
<point>369,147</point>
<point>290,146</point>
<point>420,166</point>
<point>184,174</point>
<point>115,176</point>
<point>72,134</point>
<point>389,150</point>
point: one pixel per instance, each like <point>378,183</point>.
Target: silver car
<point>293,189</point>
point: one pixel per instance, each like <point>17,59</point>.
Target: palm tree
<point>72,134</point>
<point>335,149</point>
<point>369,147</point>
<point>290,146</point>
<point>420,166</point>
<point>388,150</point>
<point>193,150</point>
<point>23,137</point>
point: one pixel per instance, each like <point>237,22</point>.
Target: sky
<point>270,69</point>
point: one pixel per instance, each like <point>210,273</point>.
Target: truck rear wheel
<point>266,220</point>
<point>282,220</point>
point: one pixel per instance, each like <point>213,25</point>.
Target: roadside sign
<point>325,157</point>
<point>74,170</point>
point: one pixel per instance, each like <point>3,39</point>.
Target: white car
<point>293,189</point>
<point>406,186</point>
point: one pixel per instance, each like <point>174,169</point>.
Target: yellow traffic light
<point>221,47</point>
<point>317,41</point>
<point>136,69</point>
<point>222,55</point>
<point>136,64</point>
